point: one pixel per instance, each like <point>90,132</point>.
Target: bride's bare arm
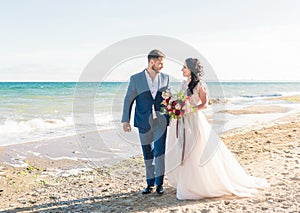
<point>203,98</point>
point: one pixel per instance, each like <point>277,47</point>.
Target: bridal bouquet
<point>176,105</point>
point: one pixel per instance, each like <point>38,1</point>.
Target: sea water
<point>32,111</point>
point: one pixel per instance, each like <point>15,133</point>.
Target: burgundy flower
<point>167,100</point>
<point>177,112</point>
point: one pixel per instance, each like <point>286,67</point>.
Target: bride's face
<point>186,72</point>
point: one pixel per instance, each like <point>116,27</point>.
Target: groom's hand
<point>126,127</point>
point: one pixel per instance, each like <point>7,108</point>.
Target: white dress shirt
<point>153,85</point>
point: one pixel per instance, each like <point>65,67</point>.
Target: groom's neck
<point>152,73</point>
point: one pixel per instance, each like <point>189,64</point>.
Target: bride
<point>198,163</point>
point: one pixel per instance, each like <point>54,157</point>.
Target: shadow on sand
<point>123,202</point>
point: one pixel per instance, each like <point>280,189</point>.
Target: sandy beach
<point>34,176</point>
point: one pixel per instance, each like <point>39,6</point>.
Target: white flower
<point>177,106</point>
<point>166,94</point>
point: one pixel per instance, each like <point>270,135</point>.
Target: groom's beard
<point>154,69</point>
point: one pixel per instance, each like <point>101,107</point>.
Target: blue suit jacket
<point>138,91</point>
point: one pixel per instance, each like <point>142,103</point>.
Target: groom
<point>145,88</point>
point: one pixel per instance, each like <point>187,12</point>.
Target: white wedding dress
<point>207,168</point>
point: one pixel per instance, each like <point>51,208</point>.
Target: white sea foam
<point>36,124</point>
<point>20,131</point>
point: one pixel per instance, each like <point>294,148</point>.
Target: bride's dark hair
<point>197,72</point>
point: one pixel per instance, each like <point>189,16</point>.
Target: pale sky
<point>241,39</point>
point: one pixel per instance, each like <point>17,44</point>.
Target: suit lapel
<point>160,84</point>
<point>144,83</point>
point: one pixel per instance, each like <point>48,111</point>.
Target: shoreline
<point>103,147</point>
<point>246,110</point>
<point>274,105</point>
<point>270,150</point>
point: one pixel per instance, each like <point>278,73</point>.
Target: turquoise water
<point>38,110</point>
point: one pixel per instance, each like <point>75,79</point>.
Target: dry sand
<point>261,109</point>
<point>292,98</point>
<point>271,151</point>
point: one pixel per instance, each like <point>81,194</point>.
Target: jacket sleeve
<point>128,100</point>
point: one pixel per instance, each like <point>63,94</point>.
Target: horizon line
<point>238,81</point>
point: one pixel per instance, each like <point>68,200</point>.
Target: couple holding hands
<point>194,158</point>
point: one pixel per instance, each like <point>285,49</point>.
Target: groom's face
<point>157,64</point>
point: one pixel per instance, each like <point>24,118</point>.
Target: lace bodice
<point>195,97</point>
